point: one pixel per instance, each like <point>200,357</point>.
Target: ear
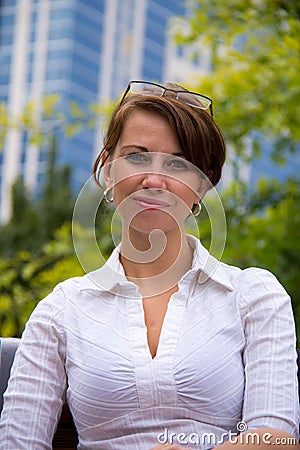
<point>197,198</point>
<point>205,185</point>
<point>199,194</point>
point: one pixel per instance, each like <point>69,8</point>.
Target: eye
<point>178,164</point>
<point>136,158</point>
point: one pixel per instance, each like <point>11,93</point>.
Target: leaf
<point>72,128</point>
<point>76,112</point>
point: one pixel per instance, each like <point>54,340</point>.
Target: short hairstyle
<point>199,137</point>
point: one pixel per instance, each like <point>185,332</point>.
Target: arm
<point>35,394</point>
<point>271,404</point>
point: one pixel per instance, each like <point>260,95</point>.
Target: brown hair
<point>199,137</point>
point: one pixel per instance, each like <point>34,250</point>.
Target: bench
<point>66,436</point>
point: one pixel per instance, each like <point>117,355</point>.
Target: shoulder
<point>258,289</point>
<point>251,278</point>
<point>75,285</point>
<point>54,303</point>
<point>247,282</point>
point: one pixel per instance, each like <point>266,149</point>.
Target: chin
<point>148,222</point>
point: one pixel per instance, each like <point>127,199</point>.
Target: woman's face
<point>153,185</point>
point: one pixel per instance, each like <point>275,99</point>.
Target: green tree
<point>25,278</point>
<point>23,230</point>
<point>34,221</point>
<point>36,247</point>
<point>57,199</point>
<point>254,47</point>
<point>36,116</point>
<point>254,81</point>
<point>270,239</point>
<point>263,229</point>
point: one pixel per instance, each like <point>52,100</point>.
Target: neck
<point>155,262</point>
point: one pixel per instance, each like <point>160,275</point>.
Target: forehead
<point>147,126</point>
<point>141,117</point>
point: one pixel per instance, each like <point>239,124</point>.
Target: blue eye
<point>178,163</point>
<point>136,158</point>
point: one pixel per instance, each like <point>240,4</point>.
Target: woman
<point>153,350</point>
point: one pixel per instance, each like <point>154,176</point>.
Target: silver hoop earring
<point>196,210</point>
<point>107,192</point>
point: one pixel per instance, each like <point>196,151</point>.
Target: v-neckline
<point>155,315</point>
<point>151,373</point>
<point>169,330</point>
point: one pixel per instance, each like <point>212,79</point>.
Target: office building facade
<point>86,51</point>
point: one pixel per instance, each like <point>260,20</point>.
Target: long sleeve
<point>271,390</point>
<point>35,394</point>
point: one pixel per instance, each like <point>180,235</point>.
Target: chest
<point>155,309</point>
<point>197,364</point>
<point>194,343</point>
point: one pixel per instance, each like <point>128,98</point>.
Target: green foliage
<point>57,199</point>
<point>36,247</point>
<point>33,221</point>
<point>25,278</point>
<point>36,250</point>
<point>263,230</point>
<point>254,47</point>
<point>34,117</point>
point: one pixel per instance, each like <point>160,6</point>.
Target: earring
<point>108,199</point>
<point>196,210</point>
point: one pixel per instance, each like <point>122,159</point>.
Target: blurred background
<point>63,65</point>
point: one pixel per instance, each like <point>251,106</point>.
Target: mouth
<point>150,203</point>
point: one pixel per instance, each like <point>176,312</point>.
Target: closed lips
<point>146,201</point>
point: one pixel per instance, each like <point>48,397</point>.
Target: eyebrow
<point>144,149</point>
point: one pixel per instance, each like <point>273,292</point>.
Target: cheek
<point>122,189</point>
<point>189,187</point>
<point>187,194</point>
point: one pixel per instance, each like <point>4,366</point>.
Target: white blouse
<point>226,361</point>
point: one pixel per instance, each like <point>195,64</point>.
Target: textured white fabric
<point>226,354</point>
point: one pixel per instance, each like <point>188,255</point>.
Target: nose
<point>154,180</point>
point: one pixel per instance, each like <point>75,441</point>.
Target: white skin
<point>153,200</point>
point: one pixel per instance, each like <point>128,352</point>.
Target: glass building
<point>86,51</point>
